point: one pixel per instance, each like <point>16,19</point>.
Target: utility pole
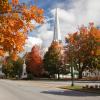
<point>72,74</point>
<point>71,65</point>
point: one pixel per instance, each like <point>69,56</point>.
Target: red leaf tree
<point>34,61</point>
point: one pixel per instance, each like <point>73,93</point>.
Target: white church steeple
<point>57,34</point>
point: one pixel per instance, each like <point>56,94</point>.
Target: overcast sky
<point>72,13</point>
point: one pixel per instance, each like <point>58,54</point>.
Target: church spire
<point>57,35</point>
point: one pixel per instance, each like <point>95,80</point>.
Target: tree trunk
<point>58,76</point>
<point>80,74</point>
<point>6,76</point>
<point>80,71</point>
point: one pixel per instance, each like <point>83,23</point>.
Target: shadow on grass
<point>69,93</point>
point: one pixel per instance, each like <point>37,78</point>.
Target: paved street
<point>42,90</point>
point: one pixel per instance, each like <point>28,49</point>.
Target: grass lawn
<point>80,88</point>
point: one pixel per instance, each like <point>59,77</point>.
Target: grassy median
<point>82,89</point>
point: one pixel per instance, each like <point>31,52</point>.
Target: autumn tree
<point>53,60</point>
<point>11,68</point>
<point>15,23</point>
<point>34,62</point>
<point>83,48</point>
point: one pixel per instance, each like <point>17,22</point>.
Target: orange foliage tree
<point>34,62</point>
<point>15,23</point>
<point>83,48</point>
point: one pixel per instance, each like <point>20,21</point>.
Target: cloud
<point>67,21</point>
<point>45,34</point>
<point>86,11</point>
<point>31,41</point>
<point>79,12</point>
<point>64,15</point>
<point>72,13</point>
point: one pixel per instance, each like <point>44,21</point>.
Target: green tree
<point>8,69</point>
<point>18,67</point>
<point>12,68</point>
<point>53,62</point>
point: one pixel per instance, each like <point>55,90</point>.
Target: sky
<point>72,14</point>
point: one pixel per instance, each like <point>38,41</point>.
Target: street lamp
<point>71,65</point>
<point>72,74</point>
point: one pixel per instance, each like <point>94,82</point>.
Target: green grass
<point>71,87</point>
<point>80,88</point>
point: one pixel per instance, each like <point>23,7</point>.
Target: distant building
<point>92,74</point>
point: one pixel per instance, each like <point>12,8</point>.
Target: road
<point>41,90</point>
